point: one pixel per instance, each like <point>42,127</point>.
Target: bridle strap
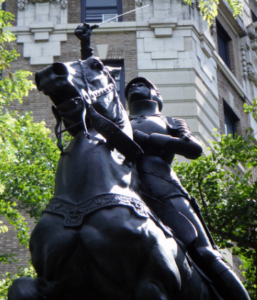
<point>58,128</point>
<point>103,91</point>
<point>92,95</point>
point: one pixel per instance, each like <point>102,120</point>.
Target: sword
<point>128,12</point>
<point>197,210</point>
<point>99,24</point>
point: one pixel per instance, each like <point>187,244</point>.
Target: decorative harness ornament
<point>79,102</point>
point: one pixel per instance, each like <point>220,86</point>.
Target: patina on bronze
<point>97,239</point>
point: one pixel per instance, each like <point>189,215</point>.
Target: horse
<point>97,239</point>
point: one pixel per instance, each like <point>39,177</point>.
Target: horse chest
<point>88,169</point>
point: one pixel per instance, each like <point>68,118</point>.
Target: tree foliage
<point>209,8</point>
<point>251,108</point>
<point>28,154</point>
<point>226,188</point>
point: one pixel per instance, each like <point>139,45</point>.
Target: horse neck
<point>122,118</point>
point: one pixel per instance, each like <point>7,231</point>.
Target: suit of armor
<point>161,139</point>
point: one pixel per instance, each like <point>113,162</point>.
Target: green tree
<point>209,8</point>
<point>28,154</point>
<point>224,182</point>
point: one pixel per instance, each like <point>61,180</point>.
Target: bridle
<point>83,101</point>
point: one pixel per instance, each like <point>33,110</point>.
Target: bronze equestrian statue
<point>97,239</point>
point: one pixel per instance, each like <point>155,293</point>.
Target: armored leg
<point>207,258</point>
<point>225,280</point>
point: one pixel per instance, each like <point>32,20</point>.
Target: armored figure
<point>162,138</point>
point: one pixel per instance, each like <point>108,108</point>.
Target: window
<point>120,79</point>
<point>3,6</point>
<point>231,120</point>
<point>254,17</point>
<point>97,11</point>
<point>223,44</point>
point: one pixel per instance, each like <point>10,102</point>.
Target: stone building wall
<point>121,46</point>
<point>11,6</point>
<point>226,88</point>
<point>74,12</point>
<point>234,47</point>
<point>235,101</point>
<point>37,103</point>
<point>10,244</point>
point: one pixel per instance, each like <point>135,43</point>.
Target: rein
<point>85,95</point>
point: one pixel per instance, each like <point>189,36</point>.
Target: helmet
<point>154,93</point>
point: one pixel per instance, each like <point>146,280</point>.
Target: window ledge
<point>230,76</point>
<point>108,27</point>
<point>237,24</point>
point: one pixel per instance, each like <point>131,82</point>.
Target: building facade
<point>205,75</point>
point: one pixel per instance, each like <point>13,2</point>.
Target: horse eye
<point>97,65</point>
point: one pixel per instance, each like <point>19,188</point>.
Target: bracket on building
<point>243,49</point>
<point>252,74</point>
<point>251,30</point>
<point>248,68</point>
<point>213,27</point>
<point>163,27</point>
<point>23,3</point>
<point>41,33</point>
<point>254,45</point>
<point>140,3</point>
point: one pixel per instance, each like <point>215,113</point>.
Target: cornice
<point>22,4</point>
<point>69,28</point>
<point>237,24</point>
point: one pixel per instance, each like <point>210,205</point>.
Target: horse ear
<point>114,71</point>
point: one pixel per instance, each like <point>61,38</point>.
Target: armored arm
<point>83,33</point>
<point>181,142</point>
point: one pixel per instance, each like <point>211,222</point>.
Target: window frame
<point>232,117</point>
<point>83,10</point>
<point>253,16</point>
<point>118,63</point>
<point>222,36</point>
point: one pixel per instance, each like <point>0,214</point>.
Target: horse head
<point>74,86</point>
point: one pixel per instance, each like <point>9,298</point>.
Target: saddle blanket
<point>74,213</point>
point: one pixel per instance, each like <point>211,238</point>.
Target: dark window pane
<point>99,15</point>
<point>254,17</point>
<point>231,120</point>
<point>97,11</point>
<point>229,126</point>
<point>223,44</point>
<point>3,6</point>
